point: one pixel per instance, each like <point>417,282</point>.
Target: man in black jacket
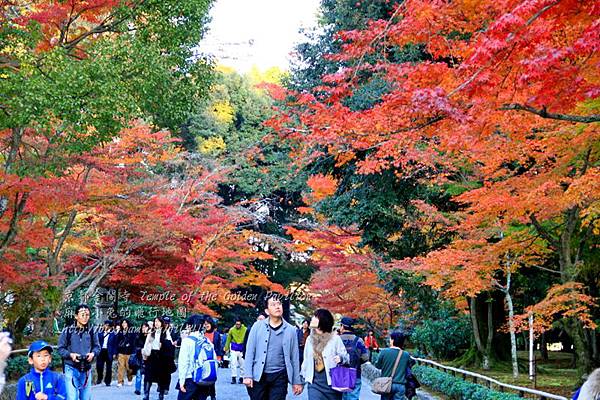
<point>107,340</point>
<point>78,346</point>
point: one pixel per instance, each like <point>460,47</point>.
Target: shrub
<point>443,337</point>
<point>18,366</point>
<point>456,388</point>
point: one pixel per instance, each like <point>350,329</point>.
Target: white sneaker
<point>119,384</point>
<point>130,383</point>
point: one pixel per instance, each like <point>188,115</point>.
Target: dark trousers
<point>193,391</point>
<point>104,360</point>
<point>271,386</point>
<point>301,353</point>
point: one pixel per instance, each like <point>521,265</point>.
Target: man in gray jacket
<point>78,346</point>
<point>272,358</point>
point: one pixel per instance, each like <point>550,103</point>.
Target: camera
<point>81,362</point>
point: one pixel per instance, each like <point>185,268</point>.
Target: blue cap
<point>348,322</point>
<point>38,345</point>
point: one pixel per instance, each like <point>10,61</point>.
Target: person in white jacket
<point>5,348</point>
<point>591,388</point>
<point>323,351</point>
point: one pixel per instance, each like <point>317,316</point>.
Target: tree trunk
<point>15,143</point>
<point>511,326</point>
<point>544,347</point>
<point>54,267</point>
<point>582,353</point>
<point>567,247</point>
<point>490,327</point>
<point>484,350</point>
<point>18,207</point>
<point>475,324</point>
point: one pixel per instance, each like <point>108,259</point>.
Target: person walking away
<point>157,354</point>
<point>176,341</point>
<point>303,334</point>
<point>78,346</point>
<point>126,346</point>
<point>272,355</point>
<point>41,383</point>
<point>213,335</point>
<point>139,345</point>
<point>197,363</point>
<point>259,317</point>
<point>394,356</point>
<point>324,350</point>
<point>108,350</point>
<point>5,349</point>
<point>371,343</point>
<point>235,347</point>
<point>358,354</point>
<point>224,336</point>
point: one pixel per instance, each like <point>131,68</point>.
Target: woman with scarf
<point>323,351</point>
<point>158,355</point>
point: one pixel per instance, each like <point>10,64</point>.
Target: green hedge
<point>18,366</point>
<point>456,388</point>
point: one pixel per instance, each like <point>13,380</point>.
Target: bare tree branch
<point>18,208</point>
<point>587,119</point>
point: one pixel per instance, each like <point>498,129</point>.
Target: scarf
<point>319,341</point>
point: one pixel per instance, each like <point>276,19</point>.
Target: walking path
<point>225,391</point>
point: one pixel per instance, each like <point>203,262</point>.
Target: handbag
<point>383,385</point>
<point>412,384</point>
<point>343,379</point>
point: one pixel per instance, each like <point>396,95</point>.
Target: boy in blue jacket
<point>41,383</point>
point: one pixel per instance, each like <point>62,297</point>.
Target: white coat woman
<point>323,351</point>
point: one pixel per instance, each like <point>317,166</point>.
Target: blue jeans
<point>78,383</point>
<point>353,395</point>
<point>397,393</point>
<point>138,380</point>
